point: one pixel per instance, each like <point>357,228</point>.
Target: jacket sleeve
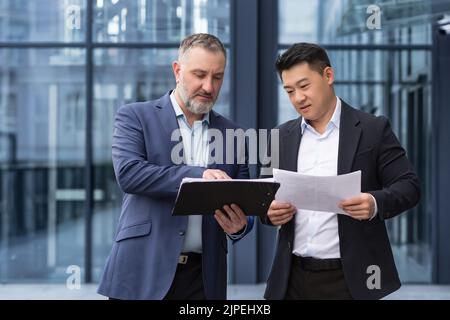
<point>134,174</point>
<point>400,184</point>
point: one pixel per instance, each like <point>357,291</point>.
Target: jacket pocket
<point>134,231</point>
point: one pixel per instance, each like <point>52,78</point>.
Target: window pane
<point>159,20</point>
<point>124,76</point>
<point>42,159</point>
<point>42,20</point>
<point>334,22</point>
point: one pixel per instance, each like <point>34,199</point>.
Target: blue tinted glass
<point>362,22</point>
<point>159,20</point>
<point>42,20</point>
<point>42,160</point>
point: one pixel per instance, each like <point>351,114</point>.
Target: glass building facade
<point>62,79</point>
<point>67,65</point>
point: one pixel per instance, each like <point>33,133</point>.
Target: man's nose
<point>300,97</point>
<point>208,86</point>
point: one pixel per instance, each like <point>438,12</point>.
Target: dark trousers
<point>188,281</point>
<point>315,279</point>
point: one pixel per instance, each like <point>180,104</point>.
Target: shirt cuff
<point>239,234</point>
<point>376,208</point>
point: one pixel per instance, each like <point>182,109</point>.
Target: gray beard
<point>199,108</point>
<point>193,106</point>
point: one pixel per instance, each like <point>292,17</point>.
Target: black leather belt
<point>186,257</point>
<point>313,264</point>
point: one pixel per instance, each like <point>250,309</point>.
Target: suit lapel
<point>289,146</point>
<point>349,135</point>
<point>167,117</point>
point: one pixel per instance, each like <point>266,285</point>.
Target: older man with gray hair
<point>156,255</point>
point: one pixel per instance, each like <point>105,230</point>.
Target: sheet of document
<point>317,193</point>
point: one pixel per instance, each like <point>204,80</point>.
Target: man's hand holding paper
<point>340,194</point>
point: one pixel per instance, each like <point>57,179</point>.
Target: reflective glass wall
<point>59,90</point>
<point>42,158</point>
<point>384,71</point>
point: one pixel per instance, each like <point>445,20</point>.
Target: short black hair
<point>315,56</point>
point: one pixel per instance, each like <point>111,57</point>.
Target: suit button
<point>181,233</point>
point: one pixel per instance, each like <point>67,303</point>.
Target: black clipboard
<point>204,197</point>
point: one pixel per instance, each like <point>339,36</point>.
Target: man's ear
<point>176,67</point>
<point>329,75</point>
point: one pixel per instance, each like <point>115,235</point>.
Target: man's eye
<point>304,86</point>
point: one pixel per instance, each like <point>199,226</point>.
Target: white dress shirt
<point>316,233</point>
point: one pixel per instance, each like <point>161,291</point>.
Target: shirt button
<point>181,233</point>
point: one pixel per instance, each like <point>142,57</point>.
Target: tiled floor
<point>235,292</point>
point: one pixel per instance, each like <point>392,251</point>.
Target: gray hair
<point>203,40</point>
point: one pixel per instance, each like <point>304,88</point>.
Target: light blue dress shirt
<point>196,151</point>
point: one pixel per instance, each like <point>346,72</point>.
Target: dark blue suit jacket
<point>366,143</point>
<point>148,242</point>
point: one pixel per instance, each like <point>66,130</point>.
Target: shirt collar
<point>179,112</point>
<point>335,118</point>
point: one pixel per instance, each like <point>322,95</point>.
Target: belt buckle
<point>182,259</point>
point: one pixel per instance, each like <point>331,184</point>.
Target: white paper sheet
<point>317,193</point>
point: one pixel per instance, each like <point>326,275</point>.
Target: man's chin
<point>201,108</point>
